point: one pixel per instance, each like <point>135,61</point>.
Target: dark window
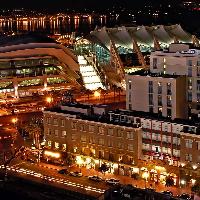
<point>198,85</point>
<point>189,62</point>
<point>169,88</point>
<point>159,100</point>
<point>159,88</point>
<point>169,112</point>
<point>151,109</point>
<point>190,96</point>
<point>150,99</point>
<point>155,60</point>
<point>159,111</point>
<point>150,86</point>
<point>169,101</point>
<point>190,71</point>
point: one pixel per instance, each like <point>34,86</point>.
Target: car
<point>167,193</point>
<point>184,196</point>
<point>95,178</point>
<point>76,174</point>
<point>112,181</point>
<point>63,171</point>
<point>31,160</point>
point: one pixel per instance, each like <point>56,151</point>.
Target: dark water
<point>58,24</point>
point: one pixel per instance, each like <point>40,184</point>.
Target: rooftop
<point>94,117</point>
<point>105,118</point>
<point>24,39</point>
<point>143,72</point>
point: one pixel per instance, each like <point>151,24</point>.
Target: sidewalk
<point>123,179</point>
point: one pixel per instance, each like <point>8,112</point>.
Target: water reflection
<point>58,24</point>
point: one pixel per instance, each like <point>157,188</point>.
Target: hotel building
<point>129,142</point>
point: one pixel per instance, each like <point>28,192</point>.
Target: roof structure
<point>143,35</point>
<point>35,46</point>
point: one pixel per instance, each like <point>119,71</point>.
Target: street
<point>49,174</point>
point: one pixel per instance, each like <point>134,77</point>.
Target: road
<point>52,177</point>
<point>22,117</point>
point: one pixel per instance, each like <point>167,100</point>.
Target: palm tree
<point>114,87</point>
<point>88,93</point>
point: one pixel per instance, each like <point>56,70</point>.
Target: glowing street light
<point>97,94</point>
<point>14,120</point>
<point>183,182</point>
<point>49,100</point>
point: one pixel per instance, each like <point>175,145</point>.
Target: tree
<point>196,187</point>
<point>169,181</point>
<point>69,159</point>
<point>34,128</point>
<point>135,176</point>
<point>104,168</point>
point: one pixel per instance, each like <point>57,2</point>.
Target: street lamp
<point>97,94</point>
<point>49,100</point>
<point>183,182</point>
<point>14,120</point>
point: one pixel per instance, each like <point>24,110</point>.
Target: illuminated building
<point>33,64</point>
<point>172,85</point>
<point>109,45</point>
<point>129,142</point>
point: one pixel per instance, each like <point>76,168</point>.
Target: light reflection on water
<point>82,24</point>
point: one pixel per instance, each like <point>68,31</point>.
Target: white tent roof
<point>144,35</point>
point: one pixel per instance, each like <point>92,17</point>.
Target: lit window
<point>73,137</point>
<point>130,135</point>
<point>120,145</point>
<point>188,157</point>
<point>64,147</point>
<point>56,145</point>
<point>55,122</point>
<point>119,133</point>
<point>83,138</point>
<point>91,128</point>
<point>100,130</point>
<point>49,143</point>
<point>56,132</point>
<point>101,141</point>
<point>110,132</point>
<point>92,140</point>
<point>74,125</point>
<point>64,133</point>
<point>130,147</point>
<point>82,127</point>
<point>110,143</point>
<point>62,122</point>
<point>188,143</point>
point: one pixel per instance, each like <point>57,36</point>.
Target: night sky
<point>75,3</point>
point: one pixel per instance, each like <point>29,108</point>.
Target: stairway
<point>88,70</point>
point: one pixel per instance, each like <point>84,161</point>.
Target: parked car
<point>95,178</point>
<point>167,194</point>
<point>112,181</point>
<point>184,196</point>
<point>31,160</point>
<point>76,174</point>
<point>63,171</point>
